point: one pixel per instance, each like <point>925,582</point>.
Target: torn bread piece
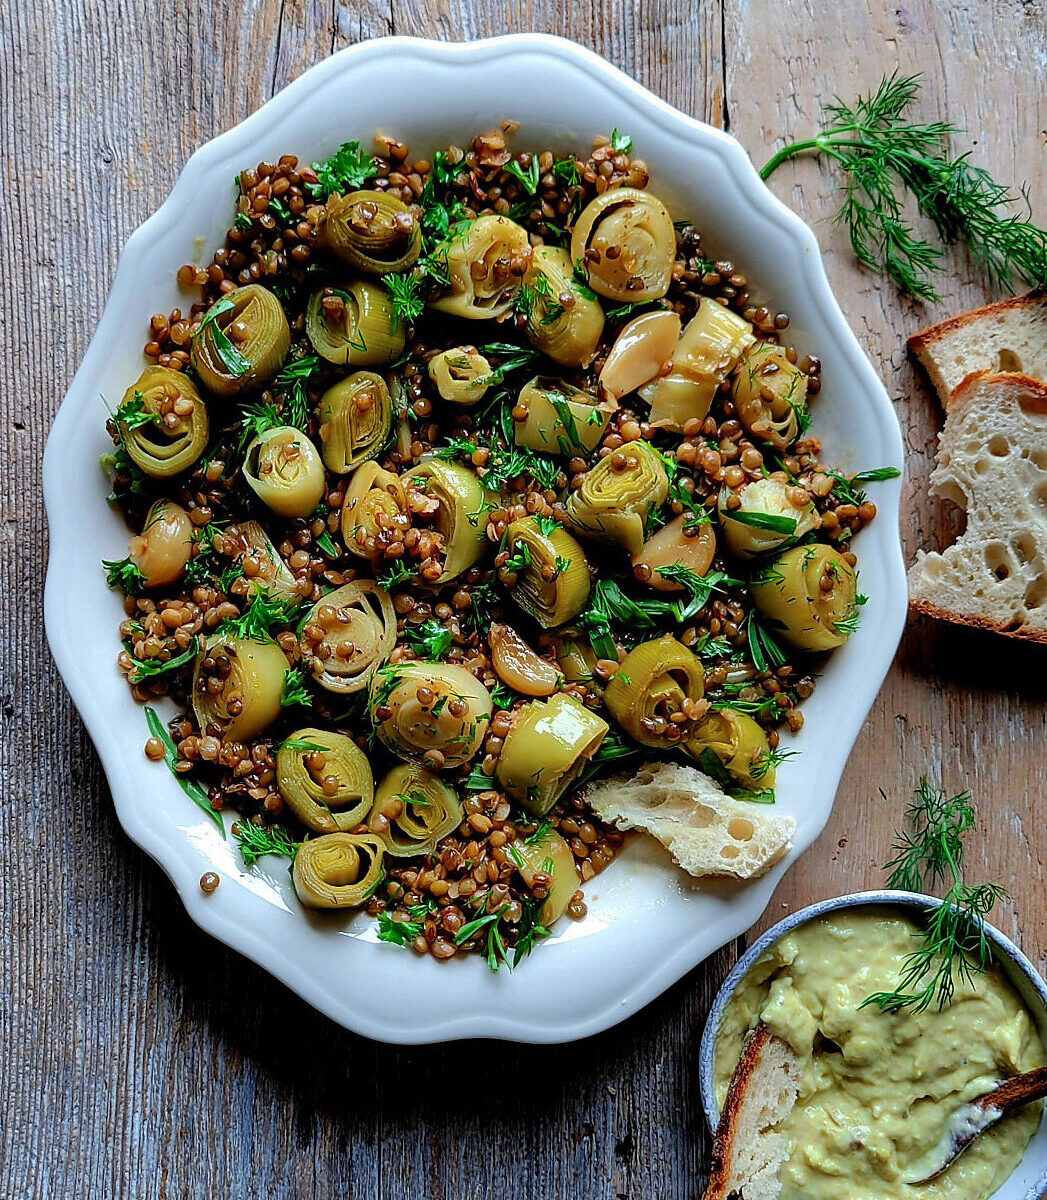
<point>1009,336</point>
<point>748,1151</point>
<point>992,462</point>
<point>704,829</point>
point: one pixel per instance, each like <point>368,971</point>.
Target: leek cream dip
<point>878,1089</point>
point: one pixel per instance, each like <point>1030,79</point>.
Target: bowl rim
<point>173,859</point>
<point>1008,951</point>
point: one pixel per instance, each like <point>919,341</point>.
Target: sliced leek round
<point>652,683</point>
<point>546,749</point>
<point>375,505</point>
<point>420,707</point>
<point>770,394</point>
<point>428,810</point>
<point>486,260</point>
<point>237,687</point>
<point>371,231</point>
<point>347,636</point>
<point>283,469</point>
<point>338,870</point>
<point>356,325</point>
<point>563,321</point>
<point>242,341</point>
<point>552,578</point>
<point>626,239</point>
<point>165,429</point>
<point>460,375</point>
<point>559,418</point>
<point>618,494</point>
<point>739,743</point>
<point>462,502</point>
<point>325,780</point>
<point>809,594</point>
<point>356,418</point>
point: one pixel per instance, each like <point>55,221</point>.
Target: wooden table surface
<point>139,1058</point>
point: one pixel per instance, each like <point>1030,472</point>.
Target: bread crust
<point>926,609</point>
<point>1035,387</point>
<point>924,338</point>
<point>726,1131</point>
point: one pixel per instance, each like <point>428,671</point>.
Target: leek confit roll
<point>356,416</point>
<point>547,747</point>
<point>461,501</point>
<point>459,374</point>
<point>738,742</point>
<point>262,565</point>
<point>242,341</point>
<point>810,596</point>
<point>375,503</point>
<point>347,636</point>
<point>636,227</point>
<point>486,261</point>
<point>764,515</point>
<point>548,855</point>
<point>283,469</point>
<point>770,393</point>
<point>435,713</point>
<point>552,573</point>
<point>413,810</point>
<point>559,418</point>
<point>371,231</point>
<point>655,681</point>
<point>325,780</point>
<point>618,494</point>
<point>707,352</point>
<point>237,687</point>
<point>163,422</point>
<point>356,325</point>
<point>562,321</point>
<point>337,870</point>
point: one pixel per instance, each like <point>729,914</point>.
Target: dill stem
<point>790,151</point>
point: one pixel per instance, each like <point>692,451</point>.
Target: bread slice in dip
<point>749,1149</point>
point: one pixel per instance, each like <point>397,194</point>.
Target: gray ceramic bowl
<point>1029,1181</point>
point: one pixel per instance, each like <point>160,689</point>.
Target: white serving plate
<point>647,925</point>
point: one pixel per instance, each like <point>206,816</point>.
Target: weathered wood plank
<point>138,1057</point>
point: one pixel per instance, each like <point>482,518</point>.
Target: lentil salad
<point>381,555</point>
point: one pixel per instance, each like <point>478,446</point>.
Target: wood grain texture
<point>138,1058</point>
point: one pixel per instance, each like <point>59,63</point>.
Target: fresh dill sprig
<point>258,621</point>
<point>295,694</point>
<point>256,420</point>
<point>408,300</point>
<point>884,157</point>
<point>398,573</point>
<point>291,381</point>
<point>931,853</point>
<point>256,841</point>
<point>346,170</point>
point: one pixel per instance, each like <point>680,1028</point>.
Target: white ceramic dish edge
<point>181,858</point>
<point>1029,1180</point>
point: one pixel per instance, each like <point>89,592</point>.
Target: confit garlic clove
<point>518,666</point>
<point>641,352</point>
<point>676,544</point>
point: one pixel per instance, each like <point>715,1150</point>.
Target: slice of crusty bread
<point>992,462</point>
<point>749,1151</point>
<point>1008,336</point>
<point>705,830</point>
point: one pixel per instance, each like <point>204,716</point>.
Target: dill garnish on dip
<point>897,1023</point>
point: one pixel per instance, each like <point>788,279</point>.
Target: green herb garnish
<point>348,169</point>
<point>930,853</point>
<point>256,841</point>
<point>124,574</point>
<point>884,156</point>
<point>233,361</point>
<point>430,639</point>
<point>191,788</point>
